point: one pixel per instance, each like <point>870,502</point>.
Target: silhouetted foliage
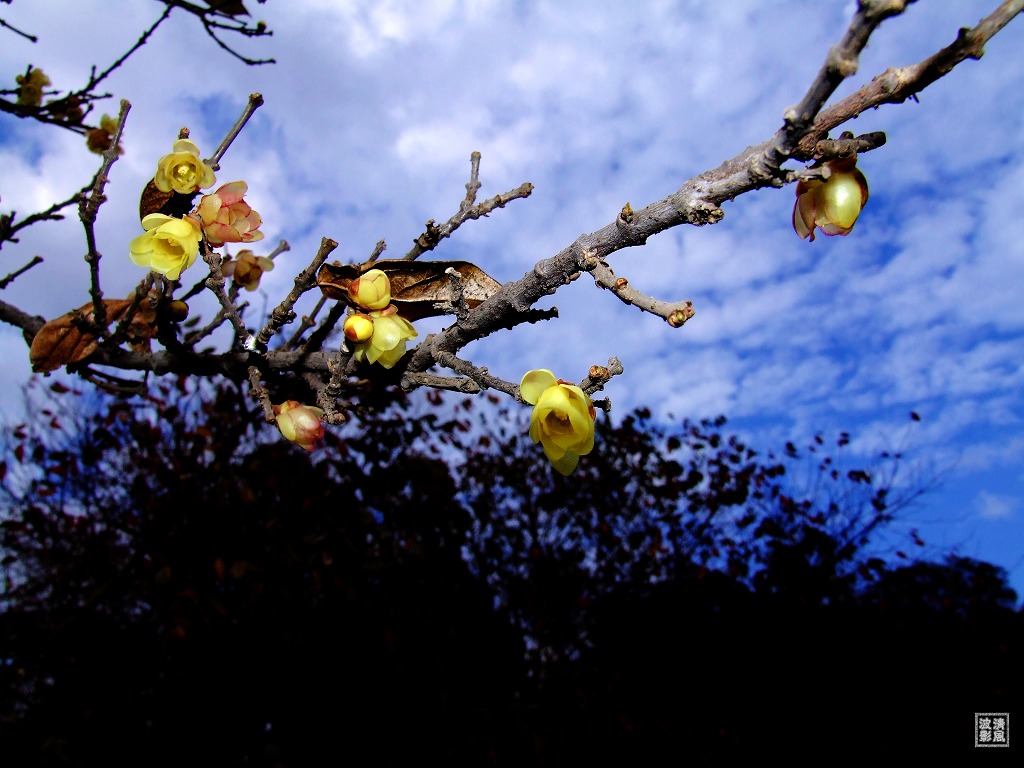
<point>425,585</point>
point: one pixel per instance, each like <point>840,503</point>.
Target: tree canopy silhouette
<point>422,586</point>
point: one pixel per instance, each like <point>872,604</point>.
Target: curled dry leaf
<point>61,341</point>
<point>418,288</point>
<point>168,203</point>
<point>228,7</point>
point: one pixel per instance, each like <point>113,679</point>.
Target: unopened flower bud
<point>358,328</point>
<point>300,423</point>
<point>371,290</point>
<point>177,310</point>
<point>833,204</point>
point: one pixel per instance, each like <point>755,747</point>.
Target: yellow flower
<point>227,218</point>
<point>300,423</point>
<point>98,139</point>
<point>182,170</point>
<point>832,205</point>
<point>387,344</point>
<point>30,87</point>
<point>247,269</point>
<point>562,420</point>
<point>371,290</point>
<point>168,246</point>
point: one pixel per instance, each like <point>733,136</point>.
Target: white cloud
<point>993,506</point>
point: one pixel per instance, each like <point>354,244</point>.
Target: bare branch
<point>255,102</point>
<point>467,210</point>
<point>17,31</point>
<point>14,275</point>
<point>87,211</point>
<point>896,85</point>
<point>304,281</point>
<point>8,227</point>
<point>674,313</point>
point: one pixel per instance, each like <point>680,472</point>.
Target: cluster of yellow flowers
<point>563,415</point>
<point>379,334</point>
<point>30,87</point>
<point>171,245</point>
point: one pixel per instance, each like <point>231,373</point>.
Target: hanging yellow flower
<point>300,423</point>
<point>386,344</point>
<point>168,246</point>
<point>562,420</point>
<point>833,204</point>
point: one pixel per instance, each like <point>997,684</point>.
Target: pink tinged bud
<point>358,328</point>
<point>832,205</point>
<point>227,218</point>
<point>300,423</point>
<point>371,290</point>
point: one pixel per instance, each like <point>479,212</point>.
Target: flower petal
<point>567,464</point>
<point>534,384</point>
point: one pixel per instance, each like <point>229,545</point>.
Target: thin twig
<point>8,228</point>
<point>17,31</point>
<point>88,209</point>
<point>480,375</point>
<point>674,313</point>
<point>215,282</point>
<point>467,210</point>
<point>304,281</point>
<point>255,102</point>
<point>377,251</point>
<point>260,393</point>
<point>96,80</point>
<point>307,322</point>
<point>141,291</point>
<point>14,275</point>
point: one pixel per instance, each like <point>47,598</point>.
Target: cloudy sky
<point>373,110</point>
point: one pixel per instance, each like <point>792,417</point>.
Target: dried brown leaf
<point>170,203</point>
<point>418,288</point>
<point>334,280</point>
<point>61,341</point>
<point>228,7</point>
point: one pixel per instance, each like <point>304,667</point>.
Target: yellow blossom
<point>168,246</point>
<point>371,290</point>
<point>833,204</point>
<point>227,218</point>
<point>182,170</point>
<point>387,344</point>
<point>30,87</point>
<point>562,420</point>
<point>300,423</point>
<point>247,269</point>
<point>98,139</point>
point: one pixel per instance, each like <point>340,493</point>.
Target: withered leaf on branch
<point>168,203</point>
<point>61,341</point>
<point>228,7</point>
<point>417,287</point>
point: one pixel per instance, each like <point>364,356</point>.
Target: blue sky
<point>374,107</point>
